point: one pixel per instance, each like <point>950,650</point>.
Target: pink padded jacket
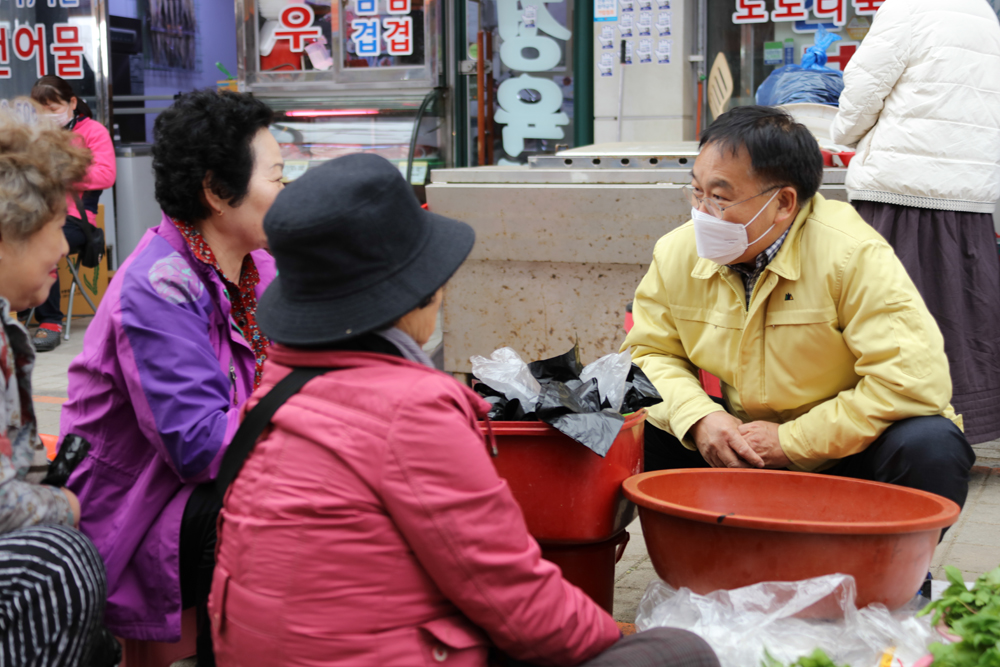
<point>369,527</point>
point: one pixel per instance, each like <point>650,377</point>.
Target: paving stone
<point>988,453</point>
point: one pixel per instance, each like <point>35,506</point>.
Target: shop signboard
<point>530,104</point>
<point>827,12</point>
<point>60,37</point>
<point>295,36</point>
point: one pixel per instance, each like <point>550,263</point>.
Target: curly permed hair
<point>205,133</point>
<point>38,166</point>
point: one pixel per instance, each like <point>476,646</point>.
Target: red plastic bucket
<point>568,493</point>
<point>590,567</point>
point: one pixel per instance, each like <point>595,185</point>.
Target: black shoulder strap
<point>256,421</point>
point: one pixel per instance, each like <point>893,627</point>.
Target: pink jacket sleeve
<point>103,169</point>
<point>468,532</point>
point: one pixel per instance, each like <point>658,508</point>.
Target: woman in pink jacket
<point>72,113</point>
<point>368,526</point>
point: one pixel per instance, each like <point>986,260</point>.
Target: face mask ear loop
<point>757,216</point>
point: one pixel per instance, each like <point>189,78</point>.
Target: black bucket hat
<point>354,251</point>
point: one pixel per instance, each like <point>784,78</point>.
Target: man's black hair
<point>782,152</point>
<point>205,133</point>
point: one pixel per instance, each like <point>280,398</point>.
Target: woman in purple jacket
<point>170,357</point>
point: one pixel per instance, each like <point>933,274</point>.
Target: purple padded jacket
<point>157,391</point>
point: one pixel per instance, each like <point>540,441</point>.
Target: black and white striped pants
<point>52,593</point>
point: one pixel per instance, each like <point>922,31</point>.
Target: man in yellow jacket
<point>829,359</point>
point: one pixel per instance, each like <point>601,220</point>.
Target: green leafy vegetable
<point>818,659</point>
<point>973,615</point>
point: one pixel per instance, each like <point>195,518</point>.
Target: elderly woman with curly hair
<point>168,361</point>
<point>52,583</point>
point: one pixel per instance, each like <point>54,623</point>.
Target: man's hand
<point>720,443</point>
<point>763,438</point>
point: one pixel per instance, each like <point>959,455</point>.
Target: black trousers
<point>925,453</point>
<point>197,562</point>
<point>656,647</point>
<point>50,311</point>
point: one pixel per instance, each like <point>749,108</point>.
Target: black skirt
<point>952,258</point>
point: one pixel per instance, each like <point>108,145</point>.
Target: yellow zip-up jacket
<point>837,343</point>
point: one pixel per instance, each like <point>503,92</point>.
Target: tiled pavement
<point>973,544</point>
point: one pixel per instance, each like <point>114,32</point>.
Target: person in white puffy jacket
<point>921,102</point>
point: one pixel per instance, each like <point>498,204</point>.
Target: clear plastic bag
<point>611,372</point>
<point>507,373</point>
<point>809,82</point>
<point>781,618</point>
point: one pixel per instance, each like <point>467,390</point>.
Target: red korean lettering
<point>30,44</point>
<point>4,52</point>
<point>67,50</point>
<point>295,25</point>
<point>750,11</point>
<point>833,10</point>
<point>866,7</point>
<point>398,35</point>
<point>789,10</point>
<point>398,7</point>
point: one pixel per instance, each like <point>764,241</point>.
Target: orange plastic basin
<point>568,493</point>
<point>722,529</point>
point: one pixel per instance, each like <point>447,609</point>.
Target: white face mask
<point>60,119</point>
<point>721,241</point>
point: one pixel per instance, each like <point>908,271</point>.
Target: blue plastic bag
<point>811,81</point>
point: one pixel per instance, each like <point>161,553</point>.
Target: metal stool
<point>73,269</point>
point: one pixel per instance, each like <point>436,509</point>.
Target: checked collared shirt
<point>751,275</point>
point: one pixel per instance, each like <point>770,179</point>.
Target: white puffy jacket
<point>922,102</point>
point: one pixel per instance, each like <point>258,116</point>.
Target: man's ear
<point>788,204</point>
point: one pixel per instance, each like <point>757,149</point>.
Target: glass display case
<point>294,45</point>
<point>313,130</point>
<point>349,76</point>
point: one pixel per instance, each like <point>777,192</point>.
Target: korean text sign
<point>382,27</point>
<point>40,37</point>
<point>529,32</point>
<point>832,11</point>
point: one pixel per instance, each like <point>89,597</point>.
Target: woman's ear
<point>216,205</point>
<point>72,103</point>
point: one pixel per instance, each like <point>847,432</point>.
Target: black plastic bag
<point>563,368</point>
<point>571,406</point>
<point>595,430</point>
<point>71,453</point>
<point>639,392</point>
<point>574,408</point>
